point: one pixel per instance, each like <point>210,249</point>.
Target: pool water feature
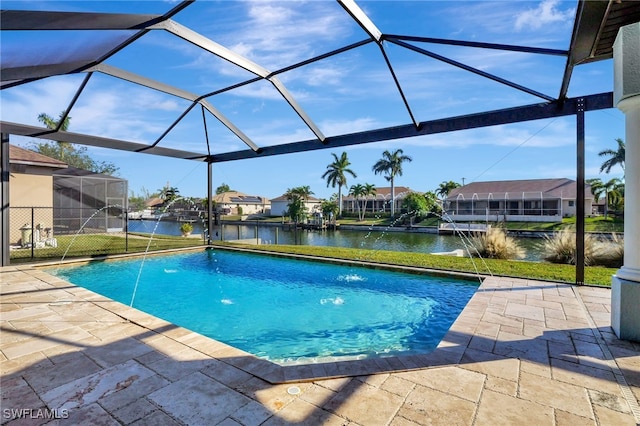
<point>286,310</point>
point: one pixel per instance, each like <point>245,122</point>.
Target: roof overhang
<point>38,164</point>
<point>595,29</point>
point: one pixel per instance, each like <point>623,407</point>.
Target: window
<point>572,203</point>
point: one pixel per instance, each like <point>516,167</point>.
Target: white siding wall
<point>278,208</point>
<point>568,210</point>
<point>246,208</point>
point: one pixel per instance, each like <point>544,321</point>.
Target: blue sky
<point>347,93</point>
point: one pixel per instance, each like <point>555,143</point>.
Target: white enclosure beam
<point>211,47</point>
<point>236,59</point>
<point>361,18</point>
<point>162,87</point>
<point>142,81</point>
<point>82,139</point>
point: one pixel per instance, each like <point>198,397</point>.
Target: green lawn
<point>102,244</point>
<point>597,224</point>
<point>591,224</point>
<point>542,271</point>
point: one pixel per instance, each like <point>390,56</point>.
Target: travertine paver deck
<point>522,352</point>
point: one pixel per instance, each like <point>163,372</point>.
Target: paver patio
<point>522,352</point>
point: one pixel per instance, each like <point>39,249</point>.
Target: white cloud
<point>550,134</point>
<point>23,104</point>
<point>276,34</point>
<point>496,22</point>
<point>547,12</point>
<point>351,126</point>
<point>477,20</point>
<point>261,90</point>
<point>324,75</point>
<point>119,111</point>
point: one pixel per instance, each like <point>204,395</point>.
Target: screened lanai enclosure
<point>84,48</point>
<point>94,201</point>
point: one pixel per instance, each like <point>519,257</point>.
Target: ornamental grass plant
<point>610,253</point>
<point>561,248</point>
<point>496,244</point>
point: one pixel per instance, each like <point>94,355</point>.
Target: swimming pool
<point>285,310</point>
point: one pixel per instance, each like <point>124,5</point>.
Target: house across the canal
<point>533,200</point>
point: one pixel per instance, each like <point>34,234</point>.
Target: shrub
<point>186,228</point>
<point>610,253</point>
<point>496,244</point>
<point>561,248</point>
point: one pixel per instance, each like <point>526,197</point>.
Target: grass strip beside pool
<point>83,245</point>
<point>594,275</point>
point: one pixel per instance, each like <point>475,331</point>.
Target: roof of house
<point>76,172</point>
<point>235,197</point>
<point>154,202</point>
<point>19,155</point>
<point>512,189</point>
<point>384,193</point>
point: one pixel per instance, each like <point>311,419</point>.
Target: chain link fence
<point>46,233</point>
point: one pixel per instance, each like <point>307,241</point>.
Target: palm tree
<point>297,197</point>
<point>168,193</point>
<point>329,208</point>
<point>445,188</point>
<point>369,189</point>
<point>51,123</point>
<point>71,154</point>
<point>391,165</point>
<point>610,189</point>
<point>303,192</point>
<point>596,188</point>
<point>336,175</point>
<point>616,195</point>
<point>615,157</point>
<point>357,191</point>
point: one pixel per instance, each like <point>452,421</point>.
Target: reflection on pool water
<point>285,310</point>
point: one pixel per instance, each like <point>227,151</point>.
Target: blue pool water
<point>282,309</point>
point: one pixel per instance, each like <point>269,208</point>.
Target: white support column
<point>625,289</point>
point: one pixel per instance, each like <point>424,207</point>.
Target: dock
<point>467,228</point>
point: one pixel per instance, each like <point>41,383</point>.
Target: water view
<point>366,239</point>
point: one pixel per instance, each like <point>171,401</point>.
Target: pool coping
<point>448,351</point>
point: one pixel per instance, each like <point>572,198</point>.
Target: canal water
<point>365,239</point>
